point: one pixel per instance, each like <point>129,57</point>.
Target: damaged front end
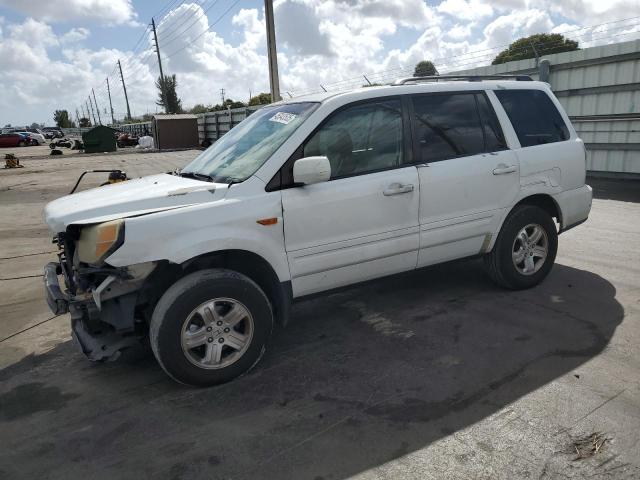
<point>108,307</point>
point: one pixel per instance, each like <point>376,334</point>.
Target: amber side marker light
<point>107,236</point>
<point>268,221</point>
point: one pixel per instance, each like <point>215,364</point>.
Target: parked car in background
<point>55,131</point>
<point>13,140</point>
<point>35,138</point>
<point>313,194</point>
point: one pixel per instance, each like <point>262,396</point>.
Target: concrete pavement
<point>432,374</point>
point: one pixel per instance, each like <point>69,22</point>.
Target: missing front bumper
<point>101,333</point>
<point>58,302</point>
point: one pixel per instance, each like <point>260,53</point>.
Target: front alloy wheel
<point>210,327</point>
<point>217,333</point>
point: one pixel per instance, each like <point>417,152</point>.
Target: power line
<point>177,35</point>
<point>202,33</point>
<point>379,76</point>
<point>164,9</point>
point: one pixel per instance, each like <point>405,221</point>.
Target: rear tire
<point>525,249</point>
<point>22,144</point>
<point>210,327</point>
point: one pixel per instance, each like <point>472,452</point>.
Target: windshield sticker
<point>283,117</point>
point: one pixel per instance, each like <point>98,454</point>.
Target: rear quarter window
<point>534,117</point>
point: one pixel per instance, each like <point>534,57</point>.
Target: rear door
<point>363,222</point>
<point>467,174</point>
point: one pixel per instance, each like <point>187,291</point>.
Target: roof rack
<point>469,78</point>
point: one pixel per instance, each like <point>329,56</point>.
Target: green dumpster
<point>99,139</point>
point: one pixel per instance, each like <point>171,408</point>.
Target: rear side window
<point>534,117</point>
<point>454,125</point>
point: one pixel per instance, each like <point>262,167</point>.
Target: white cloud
<point>298,28</point>
<point>319,42</point>
<point>74,35</point>
<point>459,32</point>
<point>110,11</point>
<point>507,28</point>
<point>591,12</point>
<point>466,10</point>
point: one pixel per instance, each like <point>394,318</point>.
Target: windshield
<point>241,151</point>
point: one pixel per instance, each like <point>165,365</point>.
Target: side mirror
<point>310,170</point>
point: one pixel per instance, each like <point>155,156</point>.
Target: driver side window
<point>360,139</point>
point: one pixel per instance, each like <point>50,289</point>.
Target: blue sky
<point>53,52</point>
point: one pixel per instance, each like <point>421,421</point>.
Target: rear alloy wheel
<point>525,249</point>
<point>210,327</point>
<point>530,249</point>
<point>22,143</point>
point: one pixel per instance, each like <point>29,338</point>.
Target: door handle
<point>502,169</point>
<point>396,189</point>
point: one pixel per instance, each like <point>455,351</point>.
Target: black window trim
<point>494,117</point>
<point>276,183</point>
<point>475,94</point>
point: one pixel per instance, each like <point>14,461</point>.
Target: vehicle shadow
<point>357,379</point>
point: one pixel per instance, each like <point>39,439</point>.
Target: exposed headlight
<point>97,242</point>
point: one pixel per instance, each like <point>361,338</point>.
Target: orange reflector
<point>268,221</point>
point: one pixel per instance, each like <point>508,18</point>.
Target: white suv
<point>309,195</point>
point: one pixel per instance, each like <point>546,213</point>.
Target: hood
<point>130,198</point>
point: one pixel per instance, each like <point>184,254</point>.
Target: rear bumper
<point>575,206</point>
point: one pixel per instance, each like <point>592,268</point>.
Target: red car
<point>12,140</point>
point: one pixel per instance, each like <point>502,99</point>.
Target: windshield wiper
<point>198,176</point>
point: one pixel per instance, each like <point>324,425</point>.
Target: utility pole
<point>97,109</point>
<point>113,120</point>
<point>124,87</point>
<point>92,114</point>
<point>274,81</point>
<point>162,92</point>
<point>222,96</point>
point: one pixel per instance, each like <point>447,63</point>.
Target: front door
<point>363,222</point>
<point>467,174</point>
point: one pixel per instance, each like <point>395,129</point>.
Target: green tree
<point>425,68</point>
<point>260,99</point>
<point>168,95</point>
<point>228,103</point>
<point>544,43</point>
<point>85,122</point>
<point>199,108</point>
<point>61,117</point>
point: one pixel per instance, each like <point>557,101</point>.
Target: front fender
<point>185,233</point>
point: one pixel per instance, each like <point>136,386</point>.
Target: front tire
<point>525,249</point>
<point>210,327</point>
